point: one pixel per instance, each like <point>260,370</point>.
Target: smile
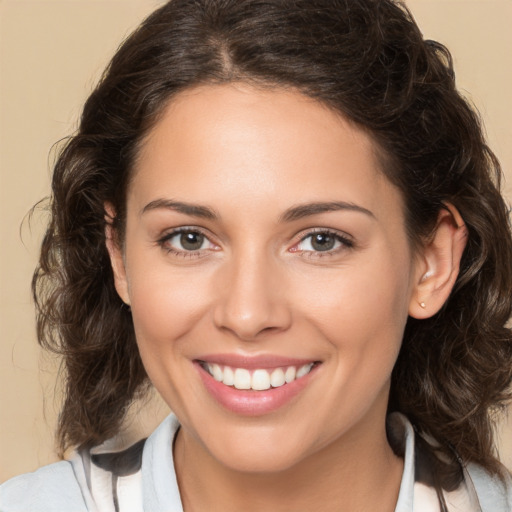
<point>257,380</point>
<point>254,386</point>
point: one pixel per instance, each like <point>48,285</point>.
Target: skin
<point>258,287</point>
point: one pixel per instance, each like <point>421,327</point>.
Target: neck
<point>357,472</point>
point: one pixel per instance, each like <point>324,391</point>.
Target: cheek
<point>360,296</point>
<point>167,302</point>
<point>166,307</point>
<point>362,311</point>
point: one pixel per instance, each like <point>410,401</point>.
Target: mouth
<point>256,385</point>
<point>258,379</point>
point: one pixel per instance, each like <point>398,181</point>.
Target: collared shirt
<point>142,478</point>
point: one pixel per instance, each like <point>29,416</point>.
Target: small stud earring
<point>423,305</point>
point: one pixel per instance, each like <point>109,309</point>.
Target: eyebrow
<point>292,214</point>
<point>308,209</point>
<point>194,210</point>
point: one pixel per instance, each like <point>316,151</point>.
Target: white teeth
<point>304,370</point>
<point>229,376</point>
<point>289,375</point>
<point>260,379</point>
<point>217,372</point>
<point>277,378</point>
<point>242,379</point>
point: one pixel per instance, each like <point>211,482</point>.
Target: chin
<point>258,450</point>
<point>259,461</point>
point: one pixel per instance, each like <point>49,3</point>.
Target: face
<point>269,274</point>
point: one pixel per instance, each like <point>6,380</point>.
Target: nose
<point>252,298</point>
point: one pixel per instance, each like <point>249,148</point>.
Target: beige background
<point>51,54</point>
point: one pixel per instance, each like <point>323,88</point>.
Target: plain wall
<point>51,54</point>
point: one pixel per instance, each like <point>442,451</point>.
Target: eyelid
<point>171,233</point>
<point>346,240</point>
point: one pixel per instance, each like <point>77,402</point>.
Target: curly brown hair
<point>364,59</point>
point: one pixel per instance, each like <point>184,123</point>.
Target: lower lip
<point>253,403</point>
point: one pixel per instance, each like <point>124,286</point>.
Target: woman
<point>284,216</point>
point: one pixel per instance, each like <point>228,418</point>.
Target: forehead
<point>257,146</point>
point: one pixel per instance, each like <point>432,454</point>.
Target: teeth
<point>260,379</point>
<point>277,378</point>
<point>217,372</point>
<point>229,376</point>
<point>304,370</point>
<point>242,379</point>
<point>289,375</point>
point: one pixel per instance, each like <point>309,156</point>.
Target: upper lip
<point>253,362</point>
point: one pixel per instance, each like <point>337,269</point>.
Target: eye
<point>186,241</point>
<point>319,242</point>
<point>324,241</point>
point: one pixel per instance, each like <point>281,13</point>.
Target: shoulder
<point>109,477</point>
<point>494,492</point>
<point>430,479</point>
<point>52,488</point>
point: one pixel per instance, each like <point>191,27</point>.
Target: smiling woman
<point>273,280</point>
<point>283,216</point>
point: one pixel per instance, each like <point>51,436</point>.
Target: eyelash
<point>163,242</point>
<point>346,243</point>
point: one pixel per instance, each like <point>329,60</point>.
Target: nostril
<point>249,325</point>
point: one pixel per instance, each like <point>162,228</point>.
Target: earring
<point>423,305</point>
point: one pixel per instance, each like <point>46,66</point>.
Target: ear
<point>116,255</point>
<point>438,264</point>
